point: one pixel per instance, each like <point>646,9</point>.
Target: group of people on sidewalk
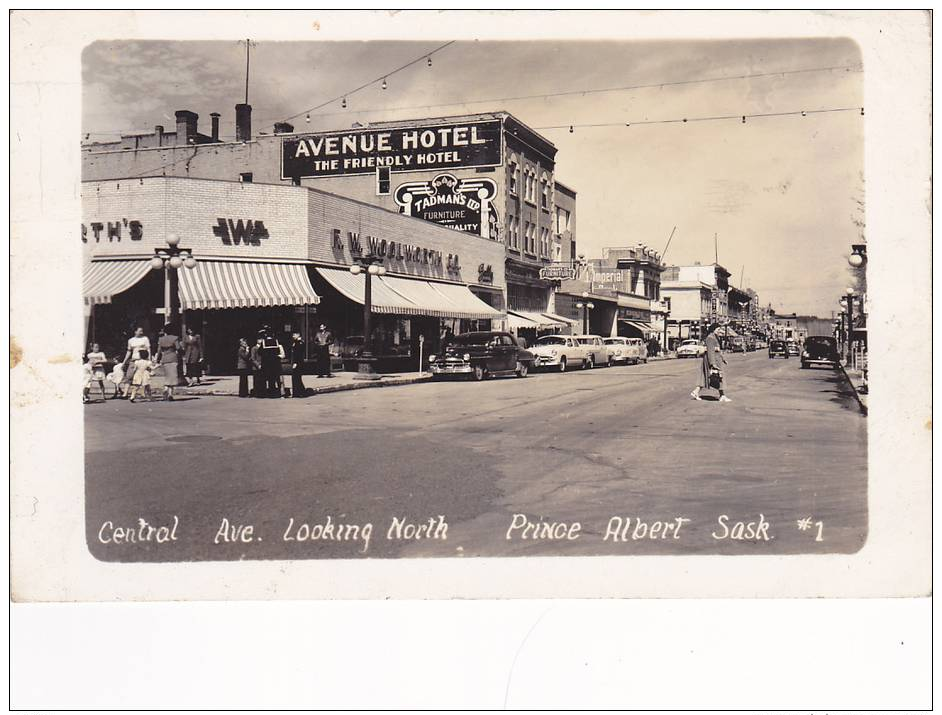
<point>263,360</point>
<point>145,368</point>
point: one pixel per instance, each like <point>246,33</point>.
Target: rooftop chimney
<point>283,128</point>
<point>243,122</point>
<point>186,126</point>
<point>214,116</point>
<point>159,133</point>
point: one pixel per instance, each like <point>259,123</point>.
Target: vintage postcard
<point>402,305</point>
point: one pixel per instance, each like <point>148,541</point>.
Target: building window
<point>545,197</point>
<point>383,174</point>
<point>514,178</point>
<point>246,177</point>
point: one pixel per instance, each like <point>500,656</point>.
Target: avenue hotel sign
<point>362,151</point>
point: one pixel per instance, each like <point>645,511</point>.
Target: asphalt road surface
<point>609,461</point>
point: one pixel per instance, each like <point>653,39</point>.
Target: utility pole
<point>664,252</point>
<point>248,44</point>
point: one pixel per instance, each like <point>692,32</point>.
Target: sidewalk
<point>856,380</point>
<point>228,385</point>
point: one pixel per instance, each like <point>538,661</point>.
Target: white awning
<point>465,304</point>
<point>423,295</point>
<point>563,321</point>
<point>227,284</point>
<point>104,279</point>
<point>382,298</point>
<point>527,319</point>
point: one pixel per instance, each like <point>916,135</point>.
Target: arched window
<point>514,175</point>
<point>545,197</point>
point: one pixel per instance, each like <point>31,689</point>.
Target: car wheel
<point>479,373</point>
<point>804,366</point>
<point>522,368</point>
<point>562,364</point>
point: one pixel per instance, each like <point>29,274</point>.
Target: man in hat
<point>271,362</point>
<point>323,339</point>
<point>297,364</point>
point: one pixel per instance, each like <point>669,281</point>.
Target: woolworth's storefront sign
<point>362,151</point>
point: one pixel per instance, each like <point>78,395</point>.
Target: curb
<point>311,391</point>
<point>860,403</point>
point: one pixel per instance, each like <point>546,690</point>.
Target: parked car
<point>627,350</point>
<point>793,348</point>
<point>738,345</point>
<point>820,350</point>
<point>691,349</point>
<point>597,352</point>
<point>482,354</point>
<point>778,348</point>
<point>558,351</point>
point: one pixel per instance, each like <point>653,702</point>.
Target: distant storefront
<point>280,256</point>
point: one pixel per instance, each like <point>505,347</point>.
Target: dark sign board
<point>461,204</point>
<point>362,151</point>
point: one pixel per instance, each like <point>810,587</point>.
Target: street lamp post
<point>850,323</point>
<point>586,306</point>
<point>171,259</point>
<point>369,266</point>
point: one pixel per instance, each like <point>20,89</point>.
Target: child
<point>97,359</point>
<point>86,388</point>
<point>142,370</point>
<point>116,376</point>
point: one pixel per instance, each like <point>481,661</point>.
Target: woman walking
<point>711,375</point>
<point>193,356</point>
<point>168,345</point>
<point>244,366</point>
<point>136,344</point>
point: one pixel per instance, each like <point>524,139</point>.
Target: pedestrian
<point>96,362</point>
<point>193,356</point>
<point>297,365</point>
<point>244,366</point>
<point>711,375</point>
<point>142,372</point>
<point>87,377</point>
<point>137,343</point>
<point>168,348</point>
<point>654,347</point>
<point>255,357</point>
<point>272,353</point>
<point>323,339</point>
<point>116,377</point>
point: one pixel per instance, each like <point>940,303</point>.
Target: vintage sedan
<point>777,348</point>
<point>820,350</point>
<point>559,352</point>
<point>792,347</point>
<point>627,350</point>
<point>691,349</point>
<point>597,352</point>
<point>482,354</point>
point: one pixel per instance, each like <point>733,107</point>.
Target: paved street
<point>310,475</point>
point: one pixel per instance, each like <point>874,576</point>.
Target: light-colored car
<point>559,352</point>
<point>691,349</point>
<point>596,350</point>
<point>627,350</point>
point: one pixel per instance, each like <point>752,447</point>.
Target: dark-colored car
<point>482,354</point>
<point>778,348</point>
<point>820,350</point>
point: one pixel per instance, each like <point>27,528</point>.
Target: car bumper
<point>546,360</point>
<point>450,368</point>
<point>819,361</point>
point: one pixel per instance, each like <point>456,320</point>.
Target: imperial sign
<point>361,151</point>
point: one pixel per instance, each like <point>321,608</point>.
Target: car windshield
<point>587,341</point>
<point>820,340</point>
<point>473,339</point>
<point>552,340</point>
<point>689,342</point>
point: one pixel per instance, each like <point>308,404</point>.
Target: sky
<point>782,195</point>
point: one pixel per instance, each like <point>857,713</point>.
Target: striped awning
<point>526,319</point>
<point>561,320</point>
<point>643,327</point>
<point>227,284</point>
<point>465,304</point>
<point>104,279</point>
<point>405,296</point>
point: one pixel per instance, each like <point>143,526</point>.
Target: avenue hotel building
<point>463,212</point>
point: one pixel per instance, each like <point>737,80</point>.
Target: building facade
<point>277,255</point>
<point>485,175</point>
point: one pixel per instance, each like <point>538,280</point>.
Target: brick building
<point>277,255</point>
<point>483,175</point>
